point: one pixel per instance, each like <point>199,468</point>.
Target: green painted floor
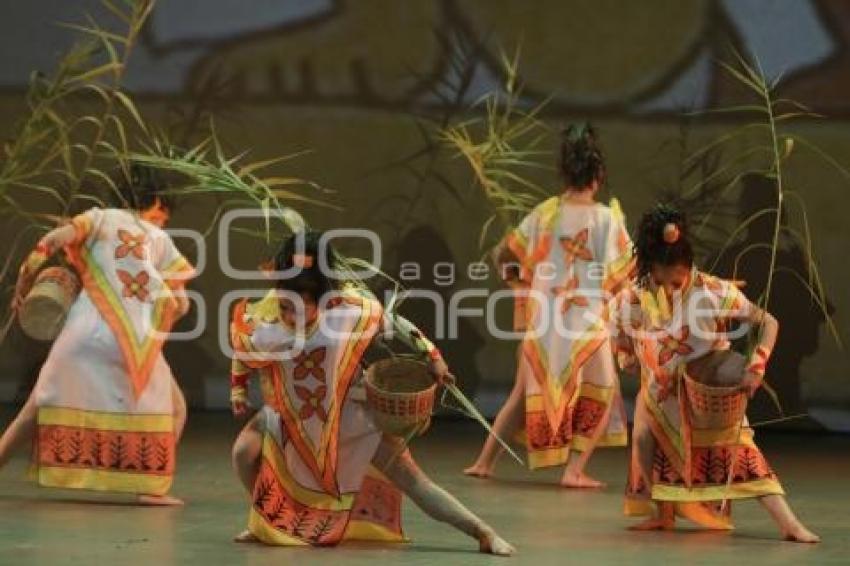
<point>547,524</point>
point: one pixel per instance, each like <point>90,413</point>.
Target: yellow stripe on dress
<point>743,490</point>
<point>103,480</point>
<point>101,420</point>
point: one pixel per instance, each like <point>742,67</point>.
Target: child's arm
<point>621,341</point>
<point>768,332</point>
<point>239,377</point>
<point>240,372</point>
<point>52,242</point>
<point>413,338</point>
<point>506,262</point>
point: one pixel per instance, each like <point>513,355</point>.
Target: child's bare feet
<point>491,543</point>
<point>654,524</point>
<point>580,480</point>
<point>799,533</point>
<point>245,536</point>
<point>789,525</point>
<point>664,520</point>
<point>478,471</point>
<point>159,500</point>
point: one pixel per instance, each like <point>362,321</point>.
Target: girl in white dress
<point>106,412</point>
<point>567,255</point>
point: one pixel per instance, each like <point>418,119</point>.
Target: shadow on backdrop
<point>800,317</point>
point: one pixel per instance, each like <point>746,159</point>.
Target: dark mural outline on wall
<point>716,32</point>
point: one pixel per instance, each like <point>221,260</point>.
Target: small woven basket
<point>400,392</point>
<point>46,306</point>
<point>714,407</point>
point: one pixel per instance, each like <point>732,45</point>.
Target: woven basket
<point>46,306</point>
<point>400,392</point>
<point>714,407</point>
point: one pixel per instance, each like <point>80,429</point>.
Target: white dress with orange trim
<point>572,256</point>
<point>104,394</point>
<point>690,464</point>
<point>316,484</point>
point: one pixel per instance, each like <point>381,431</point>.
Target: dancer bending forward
<point>316,468</point>
<point>671,317</point>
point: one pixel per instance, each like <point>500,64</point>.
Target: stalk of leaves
<point>208,170</point>
<point>500,147</point>
<point>53,153</point>
<point>775,146</point>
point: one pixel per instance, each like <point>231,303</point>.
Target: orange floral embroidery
<point>568,292</point>
<point>313,402</point>
<point>131,244</point>
<point>672,345</point>
<point>576,247</point>
<point>134,286</point>
<point>310,363</point>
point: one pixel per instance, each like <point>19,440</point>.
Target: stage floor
<point>548,525</point>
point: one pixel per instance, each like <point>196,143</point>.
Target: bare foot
<point>799,533</point>
<point>491,543</point>
<point>580,481</point>
<point>654,524</point>
<point>159,500</point>
<point>478,471</point>
<point>704,516</point>
<point>665,520</point>
<point>245,536</point>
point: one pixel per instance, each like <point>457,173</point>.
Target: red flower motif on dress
<point>310,363</point>
<point>134,286</point>
<point>576,247</point>
<point>313,402</point>
<point>672,345</point>
<point>131,244</point>
<point>568,292</point>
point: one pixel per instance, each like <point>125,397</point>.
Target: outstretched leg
<point>507,422</point>
<point>19,432</point>
<point>247,451</point>
<point>601,366</point>
<point>643,450</point>
<point>789,525</point>
<point>394,459</point>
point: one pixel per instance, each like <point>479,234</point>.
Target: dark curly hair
<point>309,280</point>
<point>651,247</point>
<point>580,160</point>
<point>144,186</point>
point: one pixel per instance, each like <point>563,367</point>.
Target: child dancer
<point>317,469</point>
<point>571,252</point>
<point>106,411</point>
<point>672,316</point>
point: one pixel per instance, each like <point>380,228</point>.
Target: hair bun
<point>671,233</point>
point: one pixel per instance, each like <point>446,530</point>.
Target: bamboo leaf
<point>128,105</point>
